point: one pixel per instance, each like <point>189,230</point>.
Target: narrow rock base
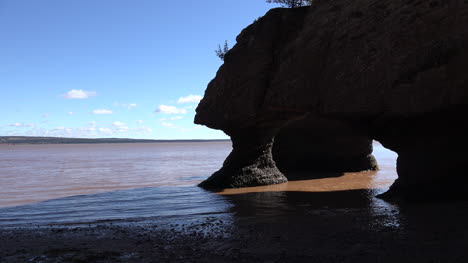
<point>249,164</point>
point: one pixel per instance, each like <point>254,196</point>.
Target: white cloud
<point>170,110</point>
<point>61,131</point>
<point>125,105</point>
<point>144,129</point>
<point>105,130</point>
<point>123,129</point>
<point>102,111</point>
<point>87,131</point>
<point>189,99</point>
<point>71,113</point>
<point>140,121</point>
<point>21,125</point>
<point>166,124</point>
<point>118,123</point>
<point>176,118</point>
<point>79,94</point>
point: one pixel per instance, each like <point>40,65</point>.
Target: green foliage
<point>222,52</point>
<point>291,3</point>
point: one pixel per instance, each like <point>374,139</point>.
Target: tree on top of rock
<point>222,52</point>
<point>291,3</point>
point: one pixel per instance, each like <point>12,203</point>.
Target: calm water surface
<point>31,173</point>
<point>92,183</point>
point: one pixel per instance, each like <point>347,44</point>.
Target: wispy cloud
<point>144,129</point>
<point>93,131</point>
<point>125,105</point>
<point>140,121</point>
<point>105,130</point>
<point>123,129</point>
<point>118,124</point>
<point>79,94</point>
<point>170,110</point>
<point>189,99</point>
<point>22,125</point>
<point>176,118</point>
<point>87,129</point>
<point>102,111</point>
<point>167,124</point>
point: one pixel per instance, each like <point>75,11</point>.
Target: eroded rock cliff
<point>391,70</point>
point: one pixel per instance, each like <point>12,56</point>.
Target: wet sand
<point>283,223</point>
<point>335,218</point>
<point>328,183</point>
<point>317,227</point>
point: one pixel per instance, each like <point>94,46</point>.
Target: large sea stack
<point>330,78</point>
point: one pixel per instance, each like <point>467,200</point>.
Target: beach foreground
<point>333,218</point>
<point>339,233</point>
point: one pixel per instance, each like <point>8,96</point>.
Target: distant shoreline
<point>64,140</point>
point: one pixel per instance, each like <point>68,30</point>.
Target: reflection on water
<point>158,204</point>
<point>387,214</point>
<point>163,179</point>
<point>340,193</point>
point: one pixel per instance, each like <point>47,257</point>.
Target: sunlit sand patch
<point>348,181</point>
<point>368,180</point>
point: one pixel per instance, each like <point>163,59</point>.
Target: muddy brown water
<point>138,203</point>
<point>95,183</point>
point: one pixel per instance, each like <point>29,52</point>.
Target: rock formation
<point>390,70</point>
<point>316,146</point>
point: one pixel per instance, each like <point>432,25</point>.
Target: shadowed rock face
<point>391,70</point>
<point>317,145</point>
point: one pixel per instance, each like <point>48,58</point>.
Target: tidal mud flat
<point>336,218</point>
<point>310,231</point>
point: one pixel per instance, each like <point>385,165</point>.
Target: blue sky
<point>113,68</point>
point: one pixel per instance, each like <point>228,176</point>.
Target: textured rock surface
<point>249,164</point>
<point>394,69</point>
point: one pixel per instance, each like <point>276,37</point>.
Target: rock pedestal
<point>249,164</point>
